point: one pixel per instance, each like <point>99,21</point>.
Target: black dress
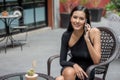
<point>79,52</point>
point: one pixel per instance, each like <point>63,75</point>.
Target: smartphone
<point>85,28</point>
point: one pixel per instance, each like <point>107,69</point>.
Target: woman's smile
<point>77,25</point>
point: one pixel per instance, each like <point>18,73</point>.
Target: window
<point>34,13</point>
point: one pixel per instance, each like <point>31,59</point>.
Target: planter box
<point>96,14</point>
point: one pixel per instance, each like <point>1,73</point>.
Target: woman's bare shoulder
<point>94,30</point>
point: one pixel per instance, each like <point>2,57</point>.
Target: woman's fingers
<point>88,27</point>
<point>82,75</point>
<point>85,74</point>
<point>80,72</point>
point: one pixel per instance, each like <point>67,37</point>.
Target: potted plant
<point>65,8</point>
<point>96,12</point>
<point>31,74</point>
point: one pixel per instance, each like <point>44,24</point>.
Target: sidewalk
<point>43,43</point>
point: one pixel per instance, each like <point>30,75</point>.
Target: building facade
<point>36,13</point>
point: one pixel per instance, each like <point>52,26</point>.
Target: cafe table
<point>21,76</point>
<point>7,20</point>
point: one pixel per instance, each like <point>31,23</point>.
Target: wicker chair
<point>109,48</point>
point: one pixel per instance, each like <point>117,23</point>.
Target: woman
<point>84,44</point>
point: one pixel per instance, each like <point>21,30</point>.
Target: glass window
<point>28,16</point>
<point>10,2</point>
<point>2,26</point>
<point>33,12</point>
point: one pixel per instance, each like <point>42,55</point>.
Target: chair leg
<point>26,34</point>
<point>20,45</point>
<point>6,44</point>
<point>49,66</point>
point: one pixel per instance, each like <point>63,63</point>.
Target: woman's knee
<point>68,71</point>
<point>59,78</point>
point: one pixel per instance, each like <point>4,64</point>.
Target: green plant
<point>117,5</point>
<point>110,6</point>
<point>31,72</point>
<point>113,6</point>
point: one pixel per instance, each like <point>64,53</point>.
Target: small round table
<point>21,76</point>
<point>7,20</point>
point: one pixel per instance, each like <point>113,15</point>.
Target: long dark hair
<point>79,8</point>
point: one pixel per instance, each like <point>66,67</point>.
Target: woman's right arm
<point>64,50</point>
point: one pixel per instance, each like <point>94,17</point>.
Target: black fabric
<point>79,52</point>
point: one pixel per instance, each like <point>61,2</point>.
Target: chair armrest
<point>113,57</point>
<point>49,61</point>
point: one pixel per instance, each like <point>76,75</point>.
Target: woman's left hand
<point>80,72</point>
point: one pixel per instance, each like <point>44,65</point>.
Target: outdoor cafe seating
<point>8,20</point>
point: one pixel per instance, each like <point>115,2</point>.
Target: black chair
<point>17,10</point>
<point>109,48</point>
